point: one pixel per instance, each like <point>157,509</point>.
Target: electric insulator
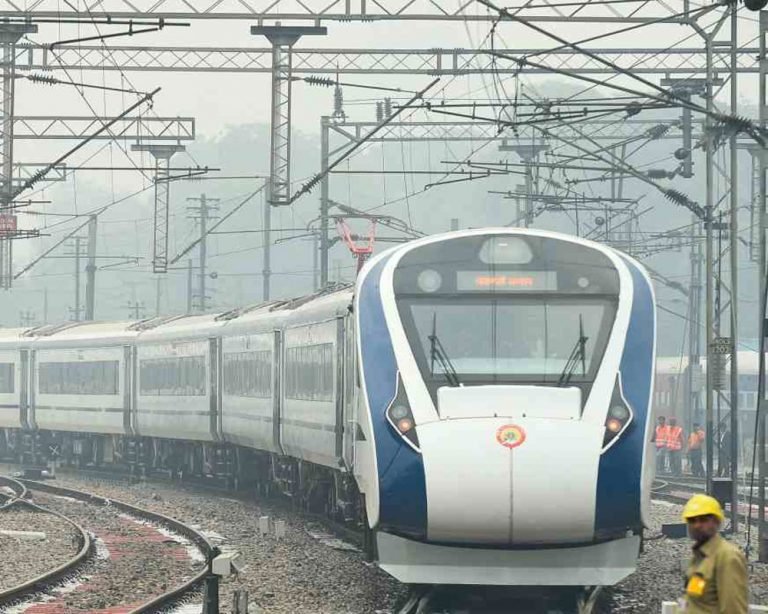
<point>657,173</point>
<point>682,153</point>
<point>338,102</point>
<point>379,112</point>
<point>387,107</point>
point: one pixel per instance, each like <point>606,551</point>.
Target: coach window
<point>309,372</point>
<point>97,377</point>
<point>6,377</point>
<point>248,374</point>
<point>177,376</point>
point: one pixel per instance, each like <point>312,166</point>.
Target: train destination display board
<point>523,281</point>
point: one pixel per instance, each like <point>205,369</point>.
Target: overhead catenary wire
<point>737,123</point>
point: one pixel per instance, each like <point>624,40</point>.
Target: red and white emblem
<point>510,435</point>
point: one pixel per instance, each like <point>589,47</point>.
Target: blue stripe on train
<point>402,487</point>
<point>620,470</point>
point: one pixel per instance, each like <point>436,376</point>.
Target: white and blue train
<point>479,401</point>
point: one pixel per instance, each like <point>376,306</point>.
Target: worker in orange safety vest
<point>675,447</point>
<point>660,436</point>
<point>695,451</point>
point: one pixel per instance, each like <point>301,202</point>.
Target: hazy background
<point>231,113</point>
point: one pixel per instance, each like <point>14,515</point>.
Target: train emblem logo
<point>510,435</point>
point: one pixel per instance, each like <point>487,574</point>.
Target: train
<point>478,402</point>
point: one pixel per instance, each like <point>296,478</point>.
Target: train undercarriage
<point>310,487</point>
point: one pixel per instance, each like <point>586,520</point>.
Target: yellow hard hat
<point>702,505</point>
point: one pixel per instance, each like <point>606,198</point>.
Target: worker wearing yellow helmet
<point>716,580</point>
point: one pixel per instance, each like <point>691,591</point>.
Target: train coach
<point>465,383</point>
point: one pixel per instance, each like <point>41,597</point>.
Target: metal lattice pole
<point>762,534</point>
<point>734,262</point>
<point>279,192</point>
<point>9,36</point>
<point>162,155</point>
<point>90,283</point>
<point>324,199</point>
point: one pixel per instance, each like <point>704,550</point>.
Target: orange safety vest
<point>662,434</point>
<point>675,438</point>
<point>695,440</point>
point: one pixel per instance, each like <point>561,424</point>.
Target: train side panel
<point>173,390</point>
<point>309,421</point>
<point>10,389</point>
<point>80,390</point>
<point>248,389</point>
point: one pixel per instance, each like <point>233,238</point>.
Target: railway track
<point>46,580</point>
<point>678,489</point>
<point>11,492</point>
<point>135,560</point>
<point>341,529</point>
<point>497,600</point>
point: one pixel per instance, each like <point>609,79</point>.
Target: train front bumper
<point>415,562</point>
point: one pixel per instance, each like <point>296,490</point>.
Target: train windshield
<point>504,339</point>
<point>507,309</point>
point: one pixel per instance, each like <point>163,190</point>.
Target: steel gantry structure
<point>170,131</point>
<point>365,11</point>
<point>413,131</point>
<point>343,61</point>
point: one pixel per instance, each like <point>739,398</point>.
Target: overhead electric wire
<point>116,64</point>
<point>740,124</point>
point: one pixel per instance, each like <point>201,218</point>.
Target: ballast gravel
<point>303,574</point>
<point>133,562</point>
<point>296,574</point>
<point>25,557</point>
<point>660,571</point>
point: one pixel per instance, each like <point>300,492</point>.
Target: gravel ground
<point>659,575</point>
<point>134,561</point>
<point>302,574</point>
<point>24,558</point>
<point>298,574</point>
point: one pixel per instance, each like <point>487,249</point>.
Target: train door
<point>340,387</point>
<point>214,352</point>
<point>128,389</point>
<point>277,388</point>
<point>25,406</point>
<point>350,392</point>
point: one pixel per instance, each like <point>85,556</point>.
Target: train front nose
<point>509,481</point>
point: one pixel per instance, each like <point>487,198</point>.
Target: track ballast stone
<point>23,558</point>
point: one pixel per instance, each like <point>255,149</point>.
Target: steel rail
<point>52,576</point>
<point>659,491</point>
<point>19,491</point>
<point>198,539</point>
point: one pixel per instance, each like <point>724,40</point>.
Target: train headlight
<point>429,280</point>
<point>398,412</point>
<point>506,249</point>
<point>620,412</point>
<point>618,418</point>
<point>404,425</point>
<point>400,417</point>
<point>613,425</point>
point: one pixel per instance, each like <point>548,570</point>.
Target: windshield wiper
<point>437,353</point>
<point>578,355</point>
